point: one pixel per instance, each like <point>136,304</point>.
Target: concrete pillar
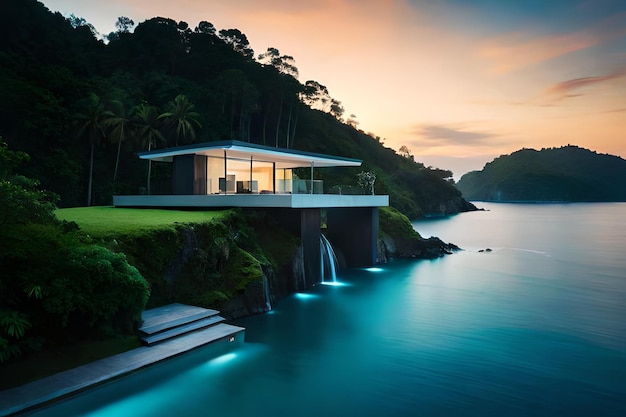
<point>354,232</point>
<point>310,234</point>
<point>304,223</point>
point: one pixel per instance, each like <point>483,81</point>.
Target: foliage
<point>13,327</point>
<point>14,324</point>
<point>394,223</point>
<point>182,118</point>
<point>54,285</point>
<point>21,202</point>
<point>568,173</point>
<point>400,239</point>
<point>94,288</point>
<point>92,126</point>
<point>366,180</point>
<point>405,152</point>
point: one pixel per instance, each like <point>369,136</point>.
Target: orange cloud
<point>566,89</point>
<point>449,135</point>
<point>515,51</point>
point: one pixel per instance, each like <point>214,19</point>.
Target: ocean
<point>529,319</point>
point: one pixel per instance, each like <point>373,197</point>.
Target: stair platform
<point>164,318</point>
<point>182,329</point>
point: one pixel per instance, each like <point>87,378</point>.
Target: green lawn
<point>103,221</point>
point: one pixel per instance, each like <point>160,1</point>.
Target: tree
<point>238,41</point>
<point>148,131</point>
<point>206,28</point>
<point>92,124</point>
<point>290,90</point>
<point>352,121</point>
<point>366,180</point>
<point>182,116</point>
<point>21,201</point>
<point>78,22</point>
<point>405,152</point>
<point>285,64</point>
<point>336,109</point>
<point>124,24</point>
<point>315,95</point>
<point>121,124</point>
<point>293,91</point>
<point>159,44</point>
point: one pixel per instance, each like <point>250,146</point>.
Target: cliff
<point>398,239</point>
<point>244,263</point>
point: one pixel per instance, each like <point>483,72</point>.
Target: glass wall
<point>242,176</point>
<point>262,177</point>
<point>284,180</point>
<point>215,171</point>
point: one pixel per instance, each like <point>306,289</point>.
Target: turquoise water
<point>536,327</point>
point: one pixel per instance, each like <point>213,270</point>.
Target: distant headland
<point>566,174</point>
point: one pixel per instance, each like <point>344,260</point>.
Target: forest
<point>82,105</point>
<point>569,173</point>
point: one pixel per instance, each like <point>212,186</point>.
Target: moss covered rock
<point>398,239</point>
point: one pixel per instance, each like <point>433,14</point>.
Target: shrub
<point>96,289</point>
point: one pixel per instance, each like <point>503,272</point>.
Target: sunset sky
<point>458,82</point>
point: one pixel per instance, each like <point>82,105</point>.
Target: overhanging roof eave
<point>291,157</point>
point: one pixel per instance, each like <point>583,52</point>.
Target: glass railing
<point>304,187</point>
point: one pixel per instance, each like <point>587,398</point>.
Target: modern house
<point>240,174</point>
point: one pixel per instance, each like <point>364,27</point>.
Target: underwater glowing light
<point>305,296</point>
<point>220,360</point>
<point>335,284</point>
<point>374,269</point>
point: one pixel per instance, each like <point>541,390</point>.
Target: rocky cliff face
<point>259,297</point>
<point>240,270</point>
<point>433,247</point>
<point>398,239</point>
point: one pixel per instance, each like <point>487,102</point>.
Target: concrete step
<point>181,330</point>
<point>164,318</point>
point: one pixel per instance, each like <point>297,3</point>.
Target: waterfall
<point>266,293</point>
<point>329,259</point>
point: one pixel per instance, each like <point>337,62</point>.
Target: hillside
<point>569,173</point>
<point>82,108</point>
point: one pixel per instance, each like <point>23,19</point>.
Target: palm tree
<point>92,123</point>
<point>148,122</point>
<point>181,115</point>
<point>120,124</point>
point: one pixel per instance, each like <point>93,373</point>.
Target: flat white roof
<point>283,158</point>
